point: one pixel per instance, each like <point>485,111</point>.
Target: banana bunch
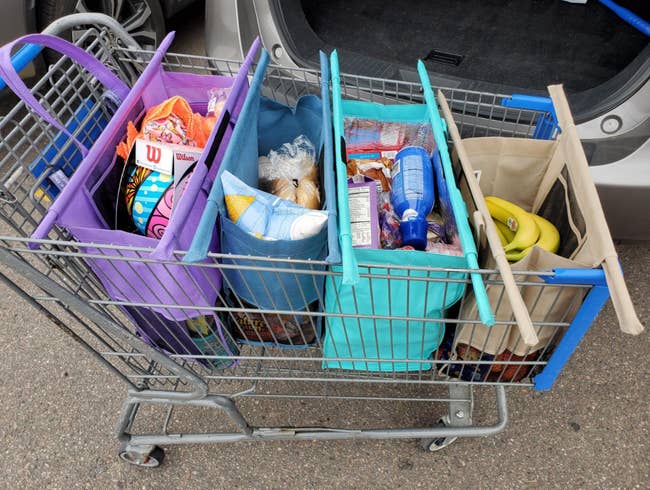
<point>519,230</point>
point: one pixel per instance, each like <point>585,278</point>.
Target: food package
<point>290,172</point>
<point>364,219</point>
<point>366,135</point>
<point>266,216</point>
<point>377,169</point>
<point>172,121</point>
<point>303,192</point>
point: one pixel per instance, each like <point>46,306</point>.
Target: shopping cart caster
<point>145,456</point>
<point>438,443</point>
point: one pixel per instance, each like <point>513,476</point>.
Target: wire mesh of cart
<point>274,354</point>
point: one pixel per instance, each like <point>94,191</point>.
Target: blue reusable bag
<point>263,125</point>
<point>358,297</point>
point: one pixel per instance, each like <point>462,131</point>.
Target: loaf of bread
<point>307,194</point>
<point>284,189</point>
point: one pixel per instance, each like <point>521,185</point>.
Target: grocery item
<point>549,239</point>
<point>266,216</point>
<point>291,173</point>
<point>371,135</point>
<point>517,219</point>
<point>547,235</point>
<point>364,219</point>
<point>505,232</point>
<point>252,327</point>
<point>169,122</point>
<point>377,169</point>
<point>210,339</point>
<point>389,235</point>
<point>148,195</point>
<point>307,194</point>
<point>487,368</point>
<point>413,194</point>
<point>502,238</point>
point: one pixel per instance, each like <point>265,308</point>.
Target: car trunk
<point>487,45</point>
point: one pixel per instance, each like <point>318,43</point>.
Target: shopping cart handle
<point>530,102</point>
<point>23,57</point>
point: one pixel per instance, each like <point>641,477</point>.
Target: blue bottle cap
<point>414,233</point>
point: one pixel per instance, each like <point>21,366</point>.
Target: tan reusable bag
<point>550,178</point>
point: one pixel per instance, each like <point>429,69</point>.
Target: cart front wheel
<point>431,445</point>
<point>146,458</point>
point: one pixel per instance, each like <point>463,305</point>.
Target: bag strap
<point>349,260</point>
<point>576,162</point>
<point>89,62</point>
<point>200,245</point>
<point>457,204</point>
<point>519,309</point>
<point>86,167</point>
<point>334,252</point>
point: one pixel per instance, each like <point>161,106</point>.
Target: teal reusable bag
<point>381,313</point>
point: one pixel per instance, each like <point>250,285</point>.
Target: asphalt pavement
<point>59,408</point>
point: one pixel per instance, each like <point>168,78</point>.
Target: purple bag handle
<point>89,62</point>
<point>88,164</point>
<point>169,241</point>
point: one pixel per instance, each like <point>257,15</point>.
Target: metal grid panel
<point>273,361</point>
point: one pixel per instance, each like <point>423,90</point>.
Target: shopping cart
<point>55,279</point>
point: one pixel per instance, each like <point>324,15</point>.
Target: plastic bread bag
<point>266,216</point>
<point>291,161</point>
<point>290,172</point>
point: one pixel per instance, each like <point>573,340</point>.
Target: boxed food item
<point>364,216</point>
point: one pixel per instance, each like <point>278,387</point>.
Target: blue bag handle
<point>350,265</point>
<point>334,251</point>
<point>458,205</point>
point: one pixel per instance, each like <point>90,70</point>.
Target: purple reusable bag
<point>147,280</point>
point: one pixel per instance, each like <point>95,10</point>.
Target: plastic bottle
<point>413,194</point>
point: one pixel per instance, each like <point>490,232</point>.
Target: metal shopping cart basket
<point>261,377</point>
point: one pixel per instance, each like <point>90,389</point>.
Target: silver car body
<point>623,184</point>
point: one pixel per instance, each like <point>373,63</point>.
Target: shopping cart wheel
<point>438,443</point>
<point>145,456</point>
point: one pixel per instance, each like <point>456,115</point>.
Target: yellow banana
<point>517,255</point>
<point>502,238</point>
<point>507,233</point>
<point>549,239</point>
<point>517,219</point>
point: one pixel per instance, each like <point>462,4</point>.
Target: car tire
<point>148,31</point>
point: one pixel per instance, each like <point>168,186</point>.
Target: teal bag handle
<point>350,266</point>
<point>458,205</point>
